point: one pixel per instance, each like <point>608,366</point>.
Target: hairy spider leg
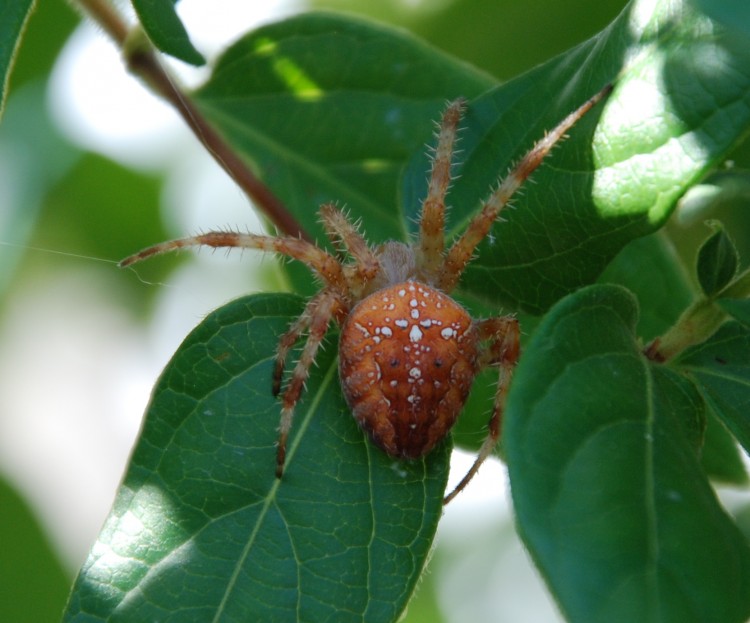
<point>432,220</point>
<point>502,338</point>
<point>315,319</point>
<point>340,229</point>
<point>320,310</point>
<point>462,250</point>
<point>288,340</point>
<point>323,263</point>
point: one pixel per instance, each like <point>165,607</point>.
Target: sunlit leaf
<point>658,133</point>
<point>202,530</point>
<point>681,102</point>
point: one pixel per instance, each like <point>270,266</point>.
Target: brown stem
<point>142,61</point>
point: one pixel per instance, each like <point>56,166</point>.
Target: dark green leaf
<point>717,261</point>
<point>650,268</point>
<point>328,108</point>
<point>341,122</point>
<point>165,29</point>
<point>602,450</point>
<point>737,308</point>
<point>13,17</point>
<point>720,455</point>
<point>624,167</point>
<point>201,529</point>
<point>721,369</point>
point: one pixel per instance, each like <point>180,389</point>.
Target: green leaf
<point>650,268</point>
<point>720,454</point>
<point>733,14</point>
<point>165,29</point>
<point>681,101</point>
<point>721,369</point>
<point>15,15</point>
<point>717,261</point>
<point>201,530</point>
<point>329,108</point>
<point>737,308</point>
<point>602,450</point>
<point>34,582</point>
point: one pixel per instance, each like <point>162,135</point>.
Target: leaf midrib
<point>270,497</point>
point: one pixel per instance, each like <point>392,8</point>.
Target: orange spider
<point>408,353</point>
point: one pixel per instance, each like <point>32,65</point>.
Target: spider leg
<point>502,351</point>
<point>463,249</point>
<point>319,311</point>
<point>340,228</point>
<point>432,219</point>
<point>323,263</point>
<point>288,340</point>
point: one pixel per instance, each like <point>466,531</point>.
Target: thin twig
<point>142,61</point>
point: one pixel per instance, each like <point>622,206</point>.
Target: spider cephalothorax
<point>408,353</point>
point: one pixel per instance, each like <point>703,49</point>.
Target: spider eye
<point>438,363</point>
<point>394,362</point>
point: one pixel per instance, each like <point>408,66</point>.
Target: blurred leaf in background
<point>33,584</point>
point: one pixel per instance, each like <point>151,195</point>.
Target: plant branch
<point>697,323</point>
<point>142,61</point>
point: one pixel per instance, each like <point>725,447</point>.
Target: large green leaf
<point>328,109</point>
<point>681,101</point>
<point>602,451</point>
<point>13,17</point>
<point>649,268</point>
<point>202,530</point>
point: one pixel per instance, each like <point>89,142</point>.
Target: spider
<point>408,353</point>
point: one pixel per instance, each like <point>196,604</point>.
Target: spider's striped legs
<point>323,263</point>
<point>340,229</point>
<point>463,248</point>
<point>502,337</point>
<point>316,318</point>
<point>432,220</point>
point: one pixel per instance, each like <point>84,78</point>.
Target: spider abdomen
<point>407,359</point>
